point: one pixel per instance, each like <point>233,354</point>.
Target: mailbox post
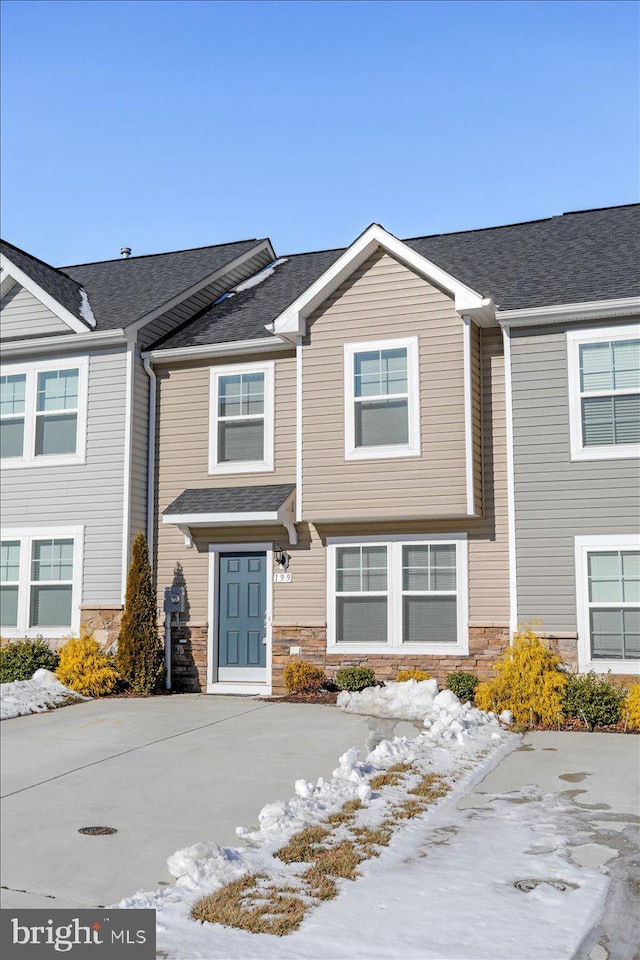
<point>174,603</point>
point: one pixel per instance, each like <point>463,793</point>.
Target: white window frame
<point>584,545</point>
<point>394,645</point>
<point>575,339</point>
<point>410,449</point>
<point>26,536</point>
<point>31,371</point>
<point>266,464</point>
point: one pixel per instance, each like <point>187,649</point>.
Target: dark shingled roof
<point>57,284</point>
<point>231,499</point>
<point>576,257</point>
<point>122,291</point>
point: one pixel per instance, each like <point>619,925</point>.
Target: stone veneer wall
<point>189,659</point>
<point>486,644</point>
<point>102,622</point>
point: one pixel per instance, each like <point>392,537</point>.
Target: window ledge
<point>18,463</point>
<point>404,650</point>
<point>379,453</point>
<point>622,452</point>
<point>612,666</point>
<point>240,468</point>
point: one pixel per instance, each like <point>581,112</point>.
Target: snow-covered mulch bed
<point>43,692</point>
<point>442,888</point>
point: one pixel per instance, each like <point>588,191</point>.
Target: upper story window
<point>604,383</point>
<point>241,418</point>
<point>43,409</point>
<point>382,399</point>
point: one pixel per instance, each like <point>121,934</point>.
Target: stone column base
<point>102,622</point>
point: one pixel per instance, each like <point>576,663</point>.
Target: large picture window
<point>382,399</point>
<point>43,410</point>
<point>604,382</point>
<point>40,581</point>
<point>242,405</point>
<point>608,579</point>
<point>403,594</point>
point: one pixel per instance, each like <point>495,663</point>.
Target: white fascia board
<point>218,519</point>
<point>565,312</point>
<point>204,282</point>
<point>36,345</point>
<point>259,345</point>
<point>292,320</point>
<point>61,312</point>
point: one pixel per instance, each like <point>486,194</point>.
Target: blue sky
<point>162,125</point>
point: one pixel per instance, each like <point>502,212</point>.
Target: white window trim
<point>410,449</point>
<point>31,371</point>
<point>26,536</point>
<point>266,464</point>
<point>583,547</point>
<point>575,338</point>
<point>394,646</point>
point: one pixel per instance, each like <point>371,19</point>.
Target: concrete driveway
<point>165,773</point>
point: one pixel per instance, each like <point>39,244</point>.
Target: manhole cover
<point>97,831</point>
<point>528,885</point>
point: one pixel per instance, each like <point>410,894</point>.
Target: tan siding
<point>383,299</point>
<point>182,461</point>
<point>22,315</point>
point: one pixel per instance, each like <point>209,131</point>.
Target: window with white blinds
<point>43,413</point>
<point>242,411</point>
<point>381,399</point>
<point>40,581</point>
<point>604,379</point>
<point>398,595</point>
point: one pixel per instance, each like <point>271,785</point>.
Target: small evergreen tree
<point>140,657</point>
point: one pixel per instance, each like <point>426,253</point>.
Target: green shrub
<point>462,684</point>
<point>355,678</point>
<point>86,667</point>
<point>140,656</point>
<point>303,677</point>
<point>594,699</point>
<point>20,659</point>
<point>418,675</point>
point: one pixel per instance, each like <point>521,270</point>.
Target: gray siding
<point>89,493</point>
<point>22,315</point>
<point>557,499</point>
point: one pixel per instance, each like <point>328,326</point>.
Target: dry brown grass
<point>432,786</point>
<point>303,846</point>
<point>346,813</point>
<point>408,810</point>
<point>368,838</point>
<point>251,904</point>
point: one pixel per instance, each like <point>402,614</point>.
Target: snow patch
<point>43,692</point>
<point>85,308</point>
<point>260,276</point>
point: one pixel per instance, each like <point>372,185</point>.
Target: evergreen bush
<point>418,675</point>
<point>462,684</point>
<point>355,678</point>
<point>594,699</point>
<point>19,659</point>
<point>303,677</point>
<point>632,705</point>
<point>140,656</point>
<point>528,682</point>
<point>86,667</point>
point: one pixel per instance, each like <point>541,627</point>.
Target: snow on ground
<point>443,888</point>
<point>43,692</point>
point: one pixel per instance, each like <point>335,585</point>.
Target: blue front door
<point>242,653</point>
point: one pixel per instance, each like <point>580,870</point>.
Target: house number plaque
<point>282,577</point>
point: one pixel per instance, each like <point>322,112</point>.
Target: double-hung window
<point>241,418</point>
<point>382,399</point>
<point>608,579</point>
<point>43,410</point>
<point>604,379</point>
<point>400,595</point>
<point>40,572</point>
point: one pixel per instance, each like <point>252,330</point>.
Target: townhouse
<point>389,454</point>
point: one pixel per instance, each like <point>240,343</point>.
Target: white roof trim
<point>64,341</point>
<point>204,282</point>
<point>292,321</point>
<point>284,515</point>
<point>563,312</point>
<point>61,312</point>
<point>217,349</point>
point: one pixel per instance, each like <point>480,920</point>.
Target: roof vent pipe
<point>125,252</point>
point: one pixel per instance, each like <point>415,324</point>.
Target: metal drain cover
<point>97,831</point>
<point>530,884</point>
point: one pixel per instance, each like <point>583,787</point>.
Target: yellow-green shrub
<point>303,677</point>
<point>418,675</point>
<point>528,679</point>
<point>632,705</point>
<point>86,668</point>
